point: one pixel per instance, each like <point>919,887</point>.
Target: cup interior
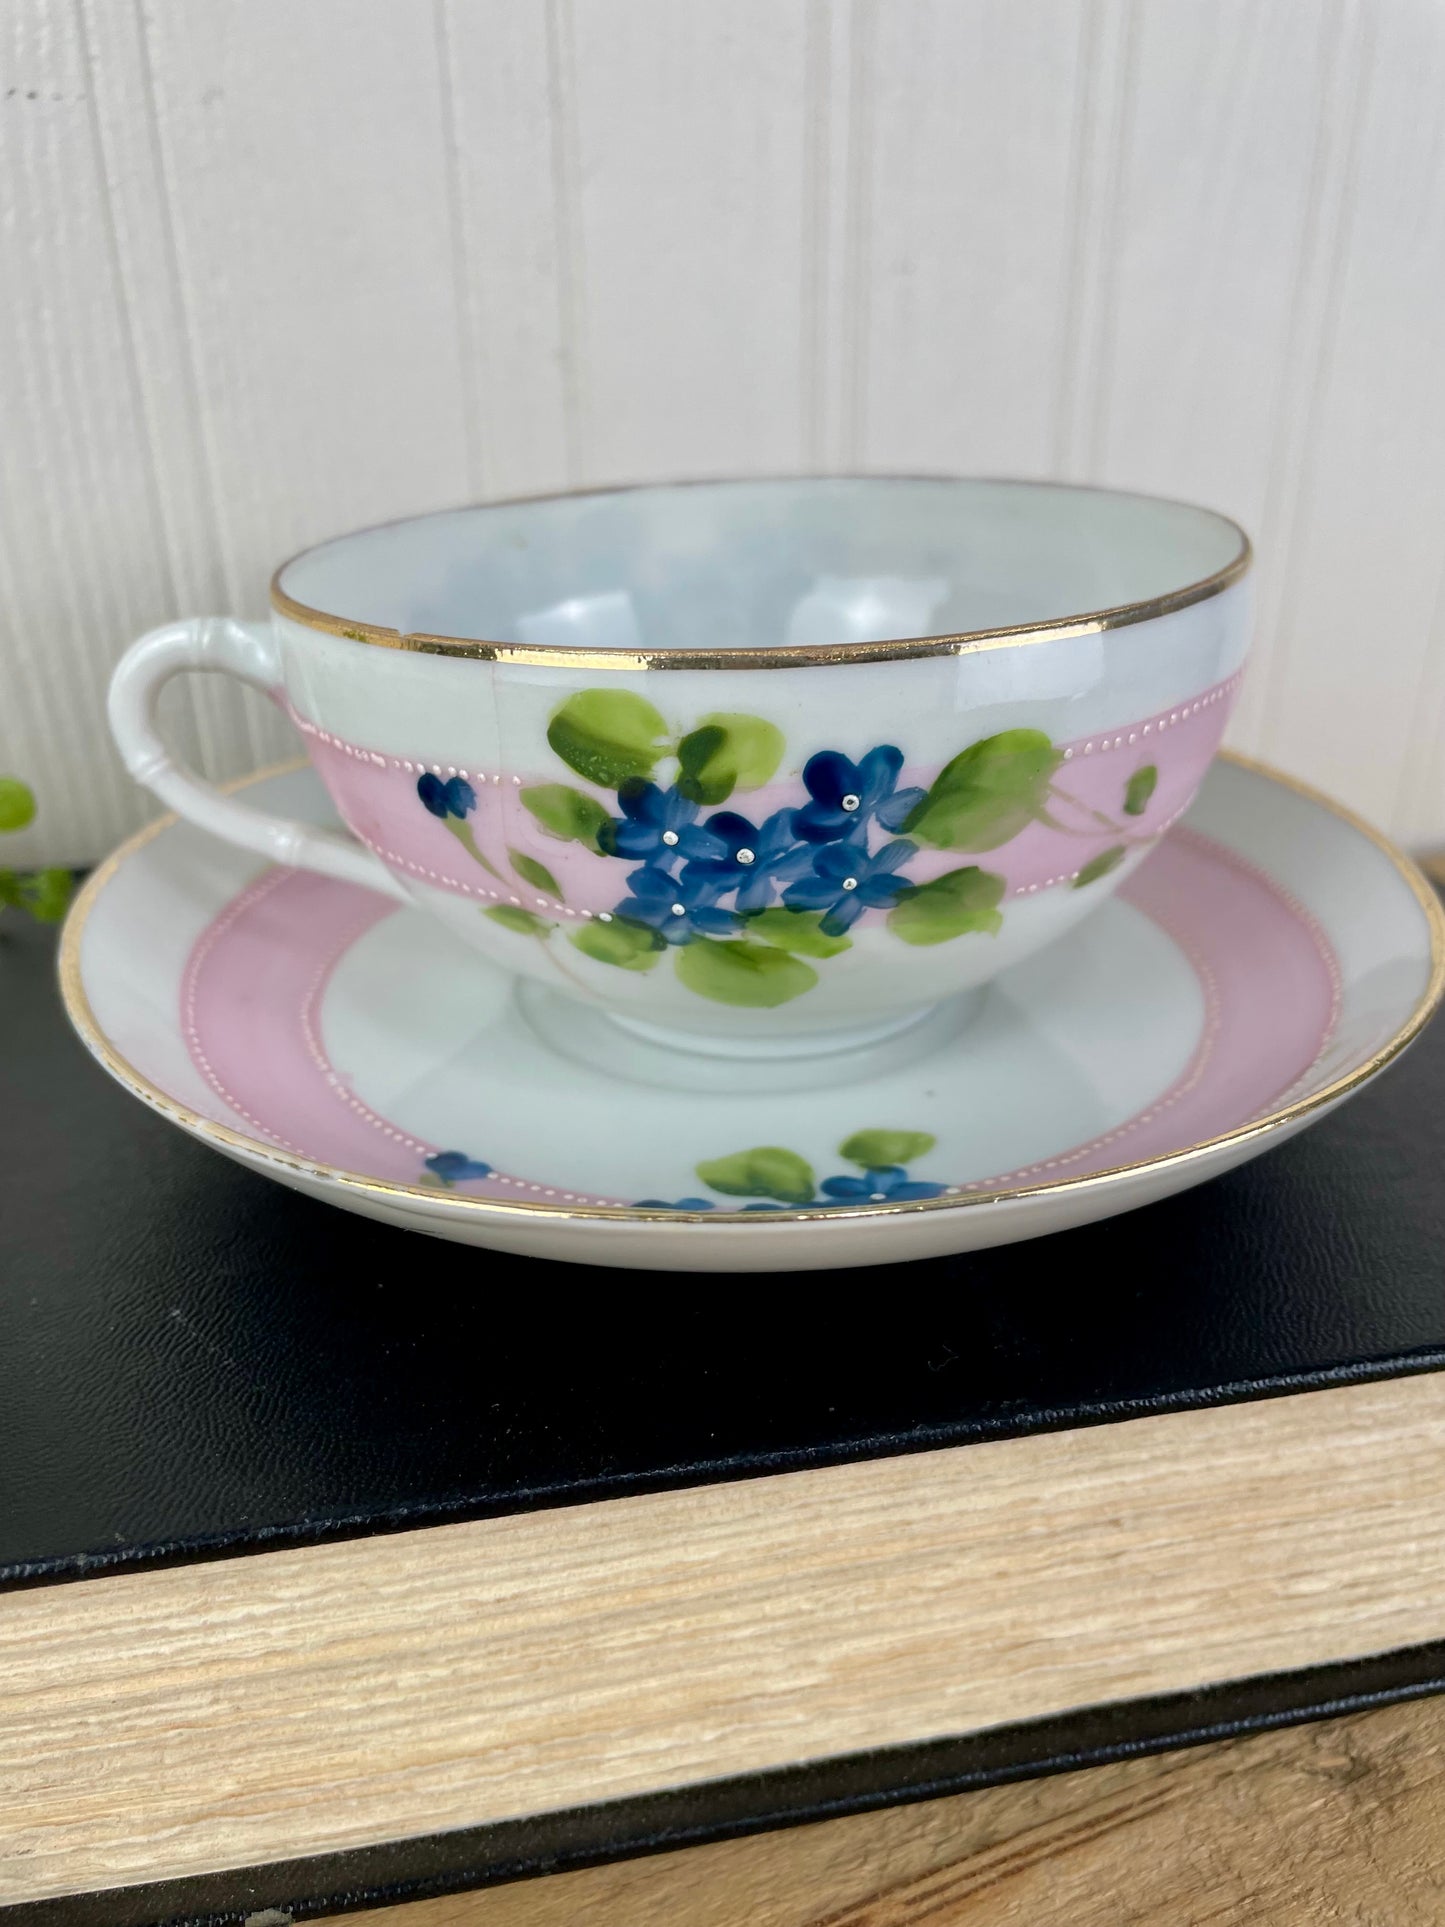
<point>738,565</point>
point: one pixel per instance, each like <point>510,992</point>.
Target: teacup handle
<point>247,650</point>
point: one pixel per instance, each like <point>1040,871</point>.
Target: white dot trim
<point>1068,876</point>
<point>480,890</point>
<point>311,1034</point>
<point>194,964</point>
<point>1105,744</point>
<point>407,764</point>
<point>1108,742</point>
<point>1198,1063</point>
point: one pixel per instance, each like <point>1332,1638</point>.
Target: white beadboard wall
<point>274,268</point>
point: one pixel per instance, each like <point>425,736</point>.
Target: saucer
<point>1270,958</point>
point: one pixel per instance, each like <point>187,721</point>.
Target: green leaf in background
<point>17,803</point>
<point>1100,866</point>
<point>988,793</point>
<point>631,946</point>
<point>522,921</point>
<point>876,1150</point>
<point>535,873</point>
<point>566,813</point>
<point>727,752</point>
<point>765,1172</point>
<point>750,974</point>
<point>797,931</point>
<point>950,906</point>
<point>45,894</point>
<point>1139,788</point>
<point>607,735</point>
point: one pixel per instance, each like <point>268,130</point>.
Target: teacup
<point>754,767</point>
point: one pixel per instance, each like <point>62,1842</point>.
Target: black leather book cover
<point>196,1361</point>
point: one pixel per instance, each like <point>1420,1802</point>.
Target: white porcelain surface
<point>718,565</point>
<point>442,765</point>
<point>1065,1096</point>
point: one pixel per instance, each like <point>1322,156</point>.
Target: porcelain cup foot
<point>681,1060</point>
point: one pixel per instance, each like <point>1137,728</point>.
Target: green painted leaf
<point>703,772</point>
<point>607,735</point>
<point>535,873</point>
<point>727,752</point>
<point>17,803</point>
<point>988,793</point>
<point>751,974</point>
<point>797,931</point>
<point>1101,865</point>
<point>463,834</point>
<point>45,894</point>
<point>953,905</point>
<point>875,1150</point>
<point>631,946</point>
<point>755,746</point>
<point>768,1171</point>
<point>566,813</point>
<point>522,921</point>
<point>1138,790</point>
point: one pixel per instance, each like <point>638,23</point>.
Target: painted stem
<point>1131,837</point>
<point>463,834</point>
<point>1105,822</point>
<point>576,982</point>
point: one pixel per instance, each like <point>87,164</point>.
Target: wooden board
<point>1343,1822</point>
<point>169,1723</point>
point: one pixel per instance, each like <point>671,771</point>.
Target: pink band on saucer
<point>256,982</point>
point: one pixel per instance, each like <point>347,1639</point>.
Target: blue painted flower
<point>661,825</point>
<point>846,881</point>
<point>846,794</point>
<point>676,907</point>
<point>756,859</point>
<point>697,1204</point>
<point>454,1167</point>
<point>889,1184</point>
<point>452,797</point>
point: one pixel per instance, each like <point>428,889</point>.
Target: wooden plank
<point>964,262</point>
<point>76,579</point>
<point>1212,290</point>
<point>1363,571</point>
<point>237,333</point>
<point>687,125</point>
<point>304,155</point>
<point>1099,122</point>
<point>511,167</point>
<point>1338,1822</point>
<point>231,730</point>
<point>166,1723</point>
<point>836,191</point>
